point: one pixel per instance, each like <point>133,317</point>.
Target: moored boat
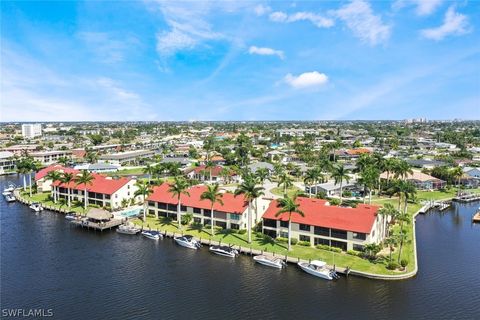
<point>72,216</point>
<point>154,235</point>
<point>128,228</point>
<point>187,242</point>
<point>10,197</point>
<point>270,261</point>
<point>319,269</point>
<point>224,251</point>
<point>8,189</point>
<point>36,206</point>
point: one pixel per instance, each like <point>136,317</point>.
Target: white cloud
<point>315,19</point>
<point>260,10</point>
<point>306,80</point>
<point>266,52</point>
<point>454,23</point>
<point>106,47</point>
<point>422,7</point>
<point>188,26</point>
<point>359,17</point>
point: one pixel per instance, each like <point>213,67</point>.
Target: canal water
<point>80,274</point>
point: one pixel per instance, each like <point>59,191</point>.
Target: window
<point>197,220</point>
<point>304,227</point>
<point>321,241</point>
<point>183,208</point>
<point>284,224</point>
<point>270,223</point>
<point>304,238</point>
<point>151,203</point>
<point>234,217</point>
<point>359,236</point>
<point>161,205</point>
<point>197,210</point>
<point>107,196</point>
<point>321,231</point>
<point>171,207</point>
<point>234,226</point>
<point>116,196</point>
<point>220,224</point>
<point>358,247</point>
<point>339,244</point>
<point>206,213</point>
<point>284,234</point>
<point>341,234</point>
<point>206,222</point>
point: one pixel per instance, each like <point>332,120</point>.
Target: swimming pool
<point>133,212</point>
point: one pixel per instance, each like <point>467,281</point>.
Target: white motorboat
<point>224,251</point>
<point>8,189</point>
<point>128,228</point>
<point>72,216</point>
<point>154,235</point>
<point>10,197</point>
<point>187,242</point>
<point>270,261</point>
<point>36,206</point>
<point>318,269</point>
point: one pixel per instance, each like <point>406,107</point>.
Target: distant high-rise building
<point>30,131</point>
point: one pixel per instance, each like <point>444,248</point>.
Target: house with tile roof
<point>44,184</point>
<point>324,224</point>
<point>232,214</point>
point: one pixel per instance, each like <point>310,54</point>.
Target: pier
<point>440,205</point>
<point>467,197</point>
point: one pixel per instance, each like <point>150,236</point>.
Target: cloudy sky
<point>232,60</point>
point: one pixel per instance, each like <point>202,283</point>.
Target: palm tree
<point>22,169</point>
<point>209,165</point>
<point>225,174</point>
<point>311,177</point>
<point>391,242</point>
<point>63,161</point>
<point>368,178</point>
<point>457,173</point>
<point>32,166</point>
<point>340,174</point>
<point>179,187</point>
<point>388,213</point>
<point>213,195</point>
<point>54,175</point>
<point>262,175</point>
<point>91,156</point>
<point>85,178</point>
<point>402,169</point>
<point>290,206</point>
<point>66,179</point>
<point>285,181</point>
<point>149,170</point>
<point>143,189</point>
<point>251,192</point>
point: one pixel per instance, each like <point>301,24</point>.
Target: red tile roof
<point>358,151</point>
<point>231,204</point>
<point>100,184</point>
<point>42,173</point>
<point>359,219</point>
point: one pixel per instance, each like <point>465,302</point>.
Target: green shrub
<point>334,249</point>
<point>293,241</point>
<point>304,243</point>
<point>354,252</point>
<point>242,231</point>
<point>404,263</point>
<point>334,202</point>
<point>392,265</point>
<point>322,247</point>
<point>281,239</point>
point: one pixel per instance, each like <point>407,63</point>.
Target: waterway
<point>79,274</point>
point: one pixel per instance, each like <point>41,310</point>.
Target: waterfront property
<point>323,224</point>
<point>104,191</point>
<point>43,183</point>
<point>7,162</point>
<point>50,157</point>
<point>232,214</point>
<point>422,181</point>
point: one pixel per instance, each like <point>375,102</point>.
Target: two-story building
<point>232,214</point>
<point>106,192</point>
<point>341,227</point>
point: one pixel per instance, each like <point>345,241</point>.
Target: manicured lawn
<point>45,200</point>
<point>279,191</point>
<point>260,243</point>
<point>134,171</point>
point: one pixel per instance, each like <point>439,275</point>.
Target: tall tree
<point>179,187</point>
<point>85,178</point>
<point>290,206</point>
<point>55,176</point>
<point>66,179</point>
<point>144,189</point>
<point>213,195</point>
<point>340,174</point>
<point>285,181</point>
<point>251,192</point>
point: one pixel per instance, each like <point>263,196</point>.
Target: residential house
<point>8,162</point>
<point>422,181</point>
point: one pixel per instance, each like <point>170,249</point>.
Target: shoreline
<point>290,259</point>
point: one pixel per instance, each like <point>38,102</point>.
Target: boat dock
<point>440,205</point>
<point>467,197</point>
<point>108,225</point>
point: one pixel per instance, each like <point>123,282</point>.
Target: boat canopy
<point>318,263</point>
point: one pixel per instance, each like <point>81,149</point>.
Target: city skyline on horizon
<point>249,61</point>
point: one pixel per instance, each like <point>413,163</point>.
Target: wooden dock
<point>467,197</point>
<point>440,205</point>
<point>108,225</point>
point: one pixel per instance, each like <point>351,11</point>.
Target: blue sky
<point>232,60</point>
